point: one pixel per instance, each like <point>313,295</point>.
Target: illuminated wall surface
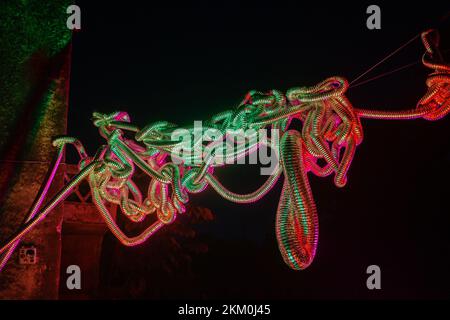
<point>34,73</point>
<point>34,89</point>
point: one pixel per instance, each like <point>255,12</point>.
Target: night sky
<point>183,64</point>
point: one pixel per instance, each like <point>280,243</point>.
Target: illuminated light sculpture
<point>331,131</point>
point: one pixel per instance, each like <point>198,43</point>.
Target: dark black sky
<point>181,64</point>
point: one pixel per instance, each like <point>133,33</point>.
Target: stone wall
<point>34,86</point>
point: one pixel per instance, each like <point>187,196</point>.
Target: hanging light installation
<point>331,131</point>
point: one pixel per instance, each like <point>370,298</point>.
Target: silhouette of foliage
<point>149,270</point>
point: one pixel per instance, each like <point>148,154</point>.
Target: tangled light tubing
<point>331,130</point>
